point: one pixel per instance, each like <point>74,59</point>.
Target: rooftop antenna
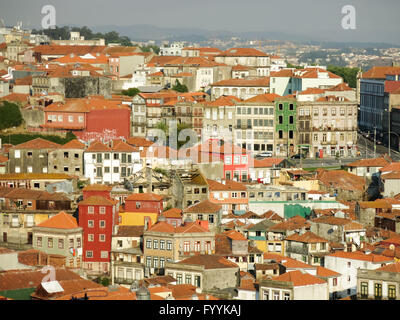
<point>2,22</point>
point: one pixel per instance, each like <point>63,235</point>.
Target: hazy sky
<point>376,21</point>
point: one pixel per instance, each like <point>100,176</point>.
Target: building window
<point>334,282</point>
<point>60,243</point>
<point>162,244</point>
<point>392,292</point>
<point>91,209</point>
<point>266,294</point>
<point>50,242</point>
<point>148,243</point>
<point>162,262</point>
<point>102,223</point>
<point>89,254</point>
<point>90,237</point>
<point>148,262</point>
<point>286,296</point>
<point>178,278</point>
<point>186,246</point>
<point>155,262</point>
<point>276,295</point>
<point>102,237</point>
<point>78,242</point>
<point>211,218</point>
<point>91,223</point>
<point>155,244</point>
<point>378,290</point>
<point>197,281</point>
<point>39,241</point>
<point>188,279</point>
<point>102,210</point>
<point>169,245</point>
<point>104,254</point>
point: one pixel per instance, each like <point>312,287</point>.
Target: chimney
<point>147,223</point>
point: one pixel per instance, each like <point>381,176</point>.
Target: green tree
<point>349,75</point>
<point>150,48</point>
<point>130,92</point>
<point>180,87</point>
<point>10,115</point>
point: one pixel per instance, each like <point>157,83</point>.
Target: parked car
<point>298,156</point>
<point>266,154</point>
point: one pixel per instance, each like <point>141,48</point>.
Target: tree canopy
<point>130,92</point>
<point>180,87</point>
<point>10,115</point>
<point>349,75</point>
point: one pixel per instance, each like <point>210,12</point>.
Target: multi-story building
<point>285,127</point>
<point>327,127</point>
<point>163,243</point>
<point>231,195</point>
<point>31,156</point>
<point>379,284</point>
<point>68,158</point>
<point>98,217</point>
<point>60,235</point>
<point>254,127</point>
<point>219,118</point>
<point>249,57</point>
<point>372,92</point>
<point>111,163</point>
<point>240,88</point>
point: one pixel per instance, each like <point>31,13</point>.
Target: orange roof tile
<point>307,237</point>
<point>97,187</point>
<point>235,235</point>
<point>37,143</point>
<point>209,261</point>
<point>259,82</point>
<point>358,255</point>
<point>61,220</point>
<point>226,185</point>
<point>73,144</point>
<point>326,273</point>
<point>242,52</point>
<point>205,206</point>
<point>266,97</point>
<point>173,213</point>
<point>393,267</point>
<point>96,200</point>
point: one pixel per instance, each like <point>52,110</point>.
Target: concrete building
<point>68,159</point>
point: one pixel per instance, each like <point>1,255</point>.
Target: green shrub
<point>10,115</point>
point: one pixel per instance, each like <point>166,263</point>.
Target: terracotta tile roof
<point>97,146</point>
<point>259,82</point>
<point>209,261</point>
<point>266,97</point>
<point>379,72</point>
<point>173,213</point>
<point>326,273</point>
<point>394,166</point>
<point>16,97</point>
<point>247,285</point>
<point>61,220</point>
<point>26,81</point>
<point>229,185</point>
<point>341,179</point>
<point>376,162</point>
<point>5,250</point>
<point>73,144</point>
<point>191,227</point>
<point>205,206</point>
<point>393,267</point>
<point>272,215</point>
<point>157,280</point>
<point>240,67</point>
<point>299,278</point>
<point>63,50</point>
<point>286,73</point>
<point>235,235</point>
<point>21,279</point>
<point>97,187</point>
<point>69,286</point>
<point>139,142</point>
<point>223,101</point>
<point>73,58</point>
<point>96,201</point>
<point>340,87</point>
<point>130,231</point>
<point>104,293</point>
<point>144,197</point>
<point>307,237</point>
<point>394,175</point>
<point>287,262</point>
<point>222,245</point>
<point>242,52</point>
<point>353,226</point>
<point>119,145</point>
<point>37,143</point>
<point>312,91</point>
<point>294,223</point>
<point>267,163</point>
<point>358,255</point>
<point>385,203</point>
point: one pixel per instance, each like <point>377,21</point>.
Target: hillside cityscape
<point>145,163</point>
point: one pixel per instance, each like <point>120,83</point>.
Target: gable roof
<point>294,223</point>
<point>37,143</point>
<point>228,185</point>
<point>173,213</point>
<point>209,261</point>
<point>358,255</point>
<point>341,179</point>
<point>73,144</point>
<point>266,97</point>
<point>242,52</point>
<point>61,220</point>
<point>376,162</point>
<point>96,201</point>
<point>205,206</point>
<point>144,197</point>
<point>299,278</point>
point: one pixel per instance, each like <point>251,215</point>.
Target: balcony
<point>332,142</point>
<point>123,281</point>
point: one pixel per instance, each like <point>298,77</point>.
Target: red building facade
<point>144,202</point>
